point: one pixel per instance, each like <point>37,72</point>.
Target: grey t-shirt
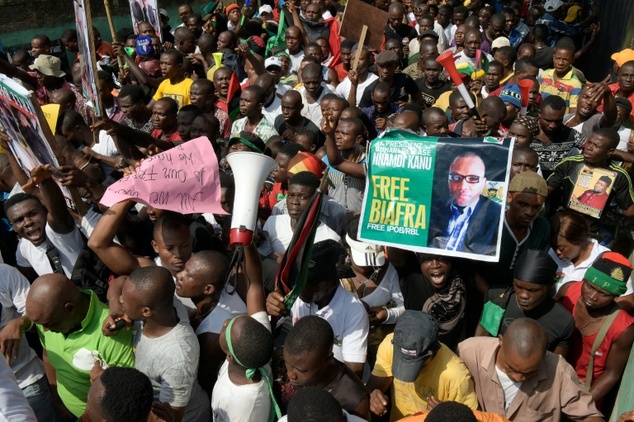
<point>171,363</point>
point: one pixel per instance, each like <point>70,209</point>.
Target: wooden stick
<point>106,4</point>
<point>357,56</point>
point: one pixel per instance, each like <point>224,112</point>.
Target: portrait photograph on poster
<point>436,195</point>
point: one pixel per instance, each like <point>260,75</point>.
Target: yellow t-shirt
<point>179,92</point>
<point>442,102</point>
<point>445,376</point>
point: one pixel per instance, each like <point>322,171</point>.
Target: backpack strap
<point>603,331</point>
<point>53,256</point>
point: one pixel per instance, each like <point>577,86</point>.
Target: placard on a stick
<point>33,142</point>
<point>85,39</point>
<point>358,14</point>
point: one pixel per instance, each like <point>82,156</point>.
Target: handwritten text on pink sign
<point>183,179</point>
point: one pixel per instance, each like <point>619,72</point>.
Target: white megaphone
<point>250,169</point>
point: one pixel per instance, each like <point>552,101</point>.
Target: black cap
<point>415,337</point>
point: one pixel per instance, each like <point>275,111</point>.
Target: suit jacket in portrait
<point>481,234</point>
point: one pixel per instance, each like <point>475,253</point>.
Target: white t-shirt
<point>13,404</point>
<point>241,403</point>
<point>296,60</point>
<point>343,89</point>
<point>273,110</point>
<point>568,272</point>
<point>280,234</point>
<point>106,145</point>
<point>14,288</point>
<point>509,387</point>
<point>389,290</point>
<point>107,148</point>
<point>171,364</point>
<point>313,111</point>
<point>463,58</point>
<point>449,31</point>
<point>68,247</point>
<point>624,136</point>
<point>229,306</point>
<point>348,319</point>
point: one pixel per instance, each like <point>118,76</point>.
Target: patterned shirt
<point>568,87</point>
<point>264,129</point>
<point>566,144</point>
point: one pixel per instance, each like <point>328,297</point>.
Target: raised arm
<point>115,256</point>
<point>59,218</point>
<point>334,155</point>
<point>19,174</point>
<point>256,301</point>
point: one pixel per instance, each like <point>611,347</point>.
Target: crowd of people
<point>134,313</point>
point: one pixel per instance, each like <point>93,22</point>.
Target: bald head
<point>266,82</point>
<point>408,119</point>
<point>292,98</point>
<point>53,302</point>
<point>525,338</point>
<point>396,8</point>
<point>311,70</point>
<point>64,97</point>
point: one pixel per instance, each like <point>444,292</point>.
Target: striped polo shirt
<point>567,87</point>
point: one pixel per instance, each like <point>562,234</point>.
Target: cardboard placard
<point>358,14</point>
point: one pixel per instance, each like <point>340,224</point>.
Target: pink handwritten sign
<point>184,179</point>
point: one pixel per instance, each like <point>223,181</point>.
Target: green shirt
<point>71,355</point>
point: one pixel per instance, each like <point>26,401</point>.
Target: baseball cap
<point>500,42</point>
<point>265,9</point>
<point>552,5</point>
<point>528,182</point>
<point>415,335</point>
<point>386,57</point>
<point>366,254</point>
<point>511,94</point>
<point>573,12</point>
<point>272,61</point>
<point>48,65</point>
<point>610,272</point>
<point>163,12</point>
<point>251,140</point>
<point>623,56</point>
<point>429,33</point>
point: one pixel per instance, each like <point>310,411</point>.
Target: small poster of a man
<point>592,191</point>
